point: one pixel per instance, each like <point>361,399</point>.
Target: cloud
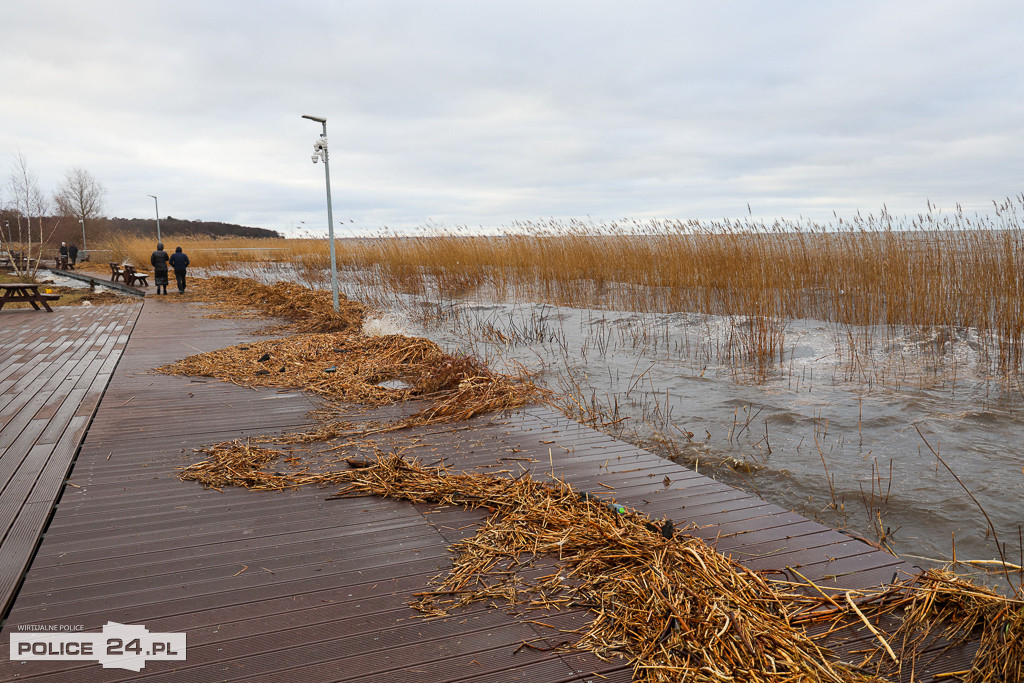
<point>470,113</point>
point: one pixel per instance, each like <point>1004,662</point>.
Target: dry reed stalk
<point>237,463</point>
<point>939,608</point>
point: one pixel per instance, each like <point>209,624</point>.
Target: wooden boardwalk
<point>54,367</point>
<point>291,586</point>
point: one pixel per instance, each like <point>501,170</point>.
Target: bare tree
<point>80,196</point>
<point>26,200</point>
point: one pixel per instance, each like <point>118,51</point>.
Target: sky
<point>483,113</point>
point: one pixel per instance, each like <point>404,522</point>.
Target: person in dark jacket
<point>179,261</point>
<point>73,254</point>
<point>63,255</point>
<point>159,260</point>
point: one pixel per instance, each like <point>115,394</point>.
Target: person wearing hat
<point>179,261</point>
<point>63,255</point>
<point>159,260</point>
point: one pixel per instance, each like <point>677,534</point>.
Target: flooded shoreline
<point>847,438</point>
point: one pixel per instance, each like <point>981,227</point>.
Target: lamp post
<point>85,250</point>
<point>320,152</point>
<point>157,205</point>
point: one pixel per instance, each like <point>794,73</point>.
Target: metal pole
<point>157,204</point>
<point>330,226</point>
<point>85,249</point>
<point>330,214</point>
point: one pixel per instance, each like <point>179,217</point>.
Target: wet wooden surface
<point>53,371</point>
<point>292,586</point>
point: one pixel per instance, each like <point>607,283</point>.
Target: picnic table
<point>25,291</point>
<point>19,259</point>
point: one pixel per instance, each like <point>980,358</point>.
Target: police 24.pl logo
<point>119,646</point>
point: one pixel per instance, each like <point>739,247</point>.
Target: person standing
<point>63,255</point>
<point>179,261</point>
<point>159,260</point>
<point>73,254</point>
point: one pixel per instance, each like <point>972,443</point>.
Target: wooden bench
<point>132,276</point>
<point>25,292</point>
<point>115,272</point>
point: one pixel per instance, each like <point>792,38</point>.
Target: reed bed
<point>933,270</point>
<point>675,608</point>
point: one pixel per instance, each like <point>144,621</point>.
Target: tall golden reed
<point>933,270</point>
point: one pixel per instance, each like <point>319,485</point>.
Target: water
<point>57,279</point>
<point>840,436</point>
<point>846,441</point>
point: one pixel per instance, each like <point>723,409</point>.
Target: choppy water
<point>834,435</point>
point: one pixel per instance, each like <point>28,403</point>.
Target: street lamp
<point>320,152</point>
<point>157,204</point>
<point>84,254</point>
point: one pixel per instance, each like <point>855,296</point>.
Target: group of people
<point>178,261</point>
<point>68,252</point>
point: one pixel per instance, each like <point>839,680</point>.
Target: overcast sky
<point>482,113</point>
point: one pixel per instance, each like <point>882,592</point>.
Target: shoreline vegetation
<point>872,277</point>
<point>934,283</point>
<point>667,602</point>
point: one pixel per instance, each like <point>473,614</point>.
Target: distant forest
<point>57,229</point>
<point>178,226</point>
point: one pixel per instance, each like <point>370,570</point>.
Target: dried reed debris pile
<point>238,463</point>
<point>307,310</point>
<point>349,368</point>
<point>337,362</point>
<point>667,602</point>
<point>673,606</point>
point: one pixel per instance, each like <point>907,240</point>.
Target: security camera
<point>315,158</point>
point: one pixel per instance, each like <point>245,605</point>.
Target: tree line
<point>178,226</point>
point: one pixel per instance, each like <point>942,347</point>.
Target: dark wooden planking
<point>290,585</point>
<point>60,359</point>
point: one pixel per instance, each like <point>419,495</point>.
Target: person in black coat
<point>159,260</point>
<point>73,254</point>
<point>179,261</point>
<point>63,255</point>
